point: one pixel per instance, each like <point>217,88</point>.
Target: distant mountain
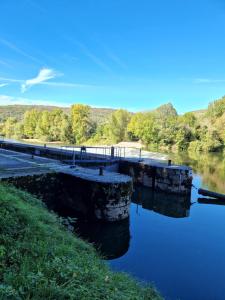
<point>98,115</point>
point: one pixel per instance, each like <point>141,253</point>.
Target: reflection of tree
<point>211,167</point>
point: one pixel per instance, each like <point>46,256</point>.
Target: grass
<point>41,259</point>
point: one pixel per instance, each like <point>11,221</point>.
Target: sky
<point>131,54</point>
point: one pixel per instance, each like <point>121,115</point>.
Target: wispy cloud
<point>43,75</point>
<point>5,64</point>
<point>19,51</point>
<point>52,83</point>
<point>9,100</point>
<point>3,84</point>
<point>110,53</point>
<point>86,51</point>
<point>69,84</point>
<point>6,79</point>
<point>116,59</point>
<point>208,80</point>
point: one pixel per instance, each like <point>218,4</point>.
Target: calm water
<point>176,243</point>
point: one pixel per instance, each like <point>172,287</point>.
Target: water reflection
<point>175,206</point>
<point>211,167</point>
<point>111,239</point>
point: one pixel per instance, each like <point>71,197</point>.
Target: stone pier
<point>158,176</point>
<point>105,197</point>
<point>174,179</point>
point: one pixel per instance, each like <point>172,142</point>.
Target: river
<point>176,243</point>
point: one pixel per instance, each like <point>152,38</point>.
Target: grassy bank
<point>40,259</point>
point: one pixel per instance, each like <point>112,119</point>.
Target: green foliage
<point>136,125</point>
<point>66,134</point>
<point>30,121</point>
<point>40,259</point>
<point>161,128</point>
<point>9,127</point>
<point>97,115</point>
<point>116,128</point>
<point>81,124</point>
<point>43,126</point>
<point>165,111</point>
<point>216,108</point>
<point>56,119</point>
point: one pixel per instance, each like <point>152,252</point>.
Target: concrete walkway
<point>15,164</point>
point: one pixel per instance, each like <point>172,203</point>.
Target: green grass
<point>40,259</point>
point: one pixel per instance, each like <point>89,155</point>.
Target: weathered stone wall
<point>160,177</point>
<point>76,196</point>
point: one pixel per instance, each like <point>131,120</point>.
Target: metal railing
<point>97,152</point>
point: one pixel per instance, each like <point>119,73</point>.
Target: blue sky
<point>112,53</point>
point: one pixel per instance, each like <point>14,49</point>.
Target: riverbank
<point>41,259</point>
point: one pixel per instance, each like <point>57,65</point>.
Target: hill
<point>97,114</point>
<point>199,113</point>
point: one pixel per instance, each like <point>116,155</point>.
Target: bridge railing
<point>101,152</point>
<point>98,152</point>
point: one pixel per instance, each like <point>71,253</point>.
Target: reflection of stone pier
<point>175,206</point>
<point>111,239</point>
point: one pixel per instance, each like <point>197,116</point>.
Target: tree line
<point>160,129</point>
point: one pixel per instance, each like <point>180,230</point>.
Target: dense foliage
<point>17,111</point>
<point>161,129</point>
<point>40,259</point>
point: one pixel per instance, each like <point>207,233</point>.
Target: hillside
<point>17,111</point>
<point>199,113</point>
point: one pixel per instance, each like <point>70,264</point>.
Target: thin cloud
<point>11,80</point>
<point>52,83</point>
<point>3,84</point>
<point>91,55</point>
<point>113,56</point>
<point>69,84</point>
<point>43,75</point>
<point>116,59</point>
<point>19,51</point>
<point>5,64</point>
<point>208,80</point>
<point>9,100</point>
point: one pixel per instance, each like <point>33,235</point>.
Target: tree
<point>9,127</point>
<point>81,124</point>
<point>30,122</point>
<point>66,134</point>
<point>150,132</point>
<point>216,109</point>
<point>56,118</point>
<point>136,125</point>
<point>165,111</point>
<point>19,131</point>
<point>43,126</point>
<point>117,125</point>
